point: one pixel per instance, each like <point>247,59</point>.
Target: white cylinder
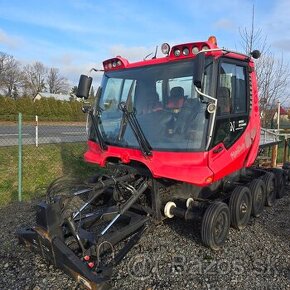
<point>278,116</point>
<point>189,202</point>
<point>167,208</point>
<point>36,131</point>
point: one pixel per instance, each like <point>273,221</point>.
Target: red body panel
<point>255,122</point>
<point>188,167</point>
<point>199,168</point>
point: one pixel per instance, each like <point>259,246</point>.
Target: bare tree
<point>273,78</point>
<point>252,38</point>
<point>272,73</point>
<point>12,79</point>
<point>30,80</point>
<point>9,73</point>
<point>4,58</point>
<point>34,77</point>
<point>56,83</point>
<point>2,67</point>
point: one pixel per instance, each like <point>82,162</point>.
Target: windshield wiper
<point>130,117</point>
<point>129,104</point>
<point>95,122</point>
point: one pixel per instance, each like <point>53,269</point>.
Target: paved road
<point>47,134</point>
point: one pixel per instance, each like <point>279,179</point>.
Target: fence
<point>32,154</point>
<point>44,151</point>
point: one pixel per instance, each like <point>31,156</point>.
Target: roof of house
<point>283,111</point>
<point>274,111</point>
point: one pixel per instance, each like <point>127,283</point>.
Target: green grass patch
<point>40,167</point>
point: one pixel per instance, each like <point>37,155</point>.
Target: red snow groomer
<point>179,135</point>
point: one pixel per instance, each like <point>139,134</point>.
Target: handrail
<point>268,137</point>
<point>270,132</point>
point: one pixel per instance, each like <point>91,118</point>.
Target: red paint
<point>197,168</point>
<point>185,166</point>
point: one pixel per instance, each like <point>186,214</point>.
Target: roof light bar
<point>115,63</point>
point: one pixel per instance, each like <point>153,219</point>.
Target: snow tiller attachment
<point>87,229</point>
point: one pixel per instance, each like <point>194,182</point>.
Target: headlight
<point>195,50</point>
<point>177,52</point>
<point>185,51</point>
<point>165,48</point>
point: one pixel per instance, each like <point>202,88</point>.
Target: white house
<point>283,114</point>
<point>60,97</point>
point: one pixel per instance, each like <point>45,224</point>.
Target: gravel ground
<point>169,256</point>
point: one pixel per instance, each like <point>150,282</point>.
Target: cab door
<point>228,151</point>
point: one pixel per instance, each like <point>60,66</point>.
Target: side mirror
<point>255,54</point>
<point>84,86</point>
<point>199,69</point>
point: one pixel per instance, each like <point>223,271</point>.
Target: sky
<point>76,35</point>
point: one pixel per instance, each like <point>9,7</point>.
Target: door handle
<point>218,150</point>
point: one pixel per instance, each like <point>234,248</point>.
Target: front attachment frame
<point>53,229</point>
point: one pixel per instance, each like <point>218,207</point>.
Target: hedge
<point>48,109</point>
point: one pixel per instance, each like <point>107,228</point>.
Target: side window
<point>117,90</point>
<point>112,93</point>
<point>159,89</point>
<point>207,81</point>
<point>232,109</point>
<point>240,100</point>
<point>231,92</point>
<point>128,87</point>
<point>184,82</point>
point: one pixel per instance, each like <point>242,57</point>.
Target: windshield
<point>164,102</point>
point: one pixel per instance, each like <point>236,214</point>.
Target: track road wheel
<point>270,184</point>
<point>215,225</point>
<point>258,191</point>
<point>240,207</point>
<point>280,182</point>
